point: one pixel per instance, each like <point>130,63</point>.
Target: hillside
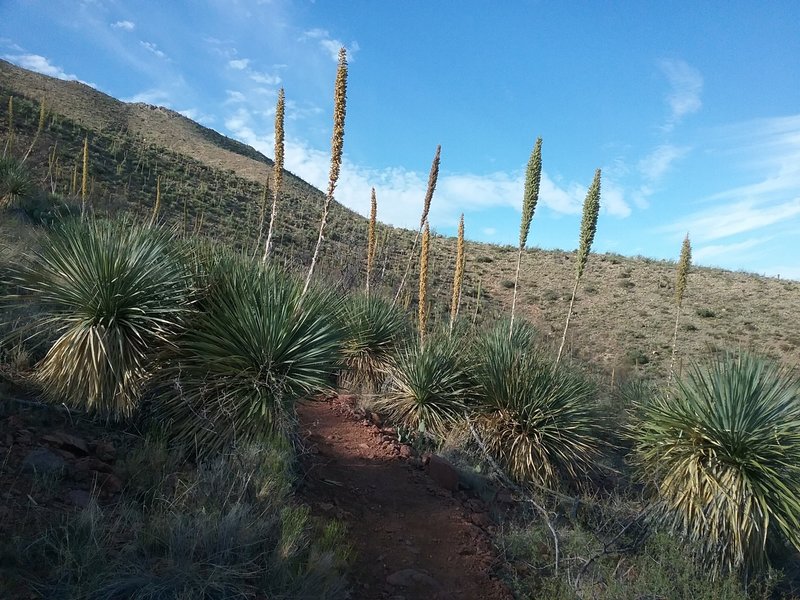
<point>212,184</point>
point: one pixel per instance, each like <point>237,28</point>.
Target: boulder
<point>42,460</point>
<point>443,473</point>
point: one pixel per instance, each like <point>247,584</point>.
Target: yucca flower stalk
<point>722,449</point>
<point>423,283</point>
<point>533,177</point>
<point>337,146</point>
<point>591,209</point>
<point>277,168</point>
<point>73,190</point>
<point>39,129</point>
<point>157,205</point>
<point>10,137</point>
<point>458,274</point>
<point>433,176</point>
<point>85,177</point>
<point>372,239</point>
<point>681,279</point>
<point>262,217</point>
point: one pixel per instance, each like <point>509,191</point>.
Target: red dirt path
<point>412,538</point>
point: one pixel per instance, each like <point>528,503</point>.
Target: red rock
<point>73,443</point>
<point>406,451</point>
<point>443,473</point>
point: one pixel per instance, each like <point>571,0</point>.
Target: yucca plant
<point>681,280</point>
<point>723,450</point>
<point>255,347</point>
<point>375,331</point>
<point>372,240</point>
<point>85,176</point>
<point>337,147</point>
<point>591,208</point>
<point>16,183</point>
<point>430,387</point>
<point>458,274</point>
<point>277,169</point>
<point>114,293</point>
<point>422,299</point>
<point>39,129</point>
<point>536,422</point>
<point>157,204</point>
<point>533,177</point>
<point>433,177</point>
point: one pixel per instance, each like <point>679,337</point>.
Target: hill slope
<point>213,185</point>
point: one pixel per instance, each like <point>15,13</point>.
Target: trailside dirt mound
<point>412,538</point>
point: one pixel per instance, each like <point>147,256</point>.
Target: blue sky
<point>692,109</point>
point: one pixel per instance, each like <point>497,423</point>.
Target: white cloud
<point>656,164</point>
<point>728,220</point>
<point>330,44</point>
<point>124,25</point>
<point>40,64</point>
<point>196,115</point>
<point>234,97</point>
<point>153,96</point>
<point>239,64</point>
<point>489,231</point>
<point>151,47</point>
<point>686,85</point>
<point>264,78</point>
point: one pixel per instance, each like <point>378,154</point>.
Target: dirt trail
<point>413,538</point>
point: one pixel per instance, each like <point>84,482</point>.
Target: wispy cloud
<point>330,44</point>
<point>686,86</point>
<point>239,64</point>
<point>656,164</point>
<point>151,47</point>
<point>712,251</point>
<point>155,96</point>
<point>124,25</point>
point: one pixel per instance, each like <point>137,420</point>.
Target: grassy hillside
<point>213,184</point>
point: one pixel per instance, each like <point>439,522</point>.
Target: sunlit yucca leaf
<point>15,182</point>
<point>374,332</point>
<point>254,348</point>
<point>724,451</point>
<point>536,421</point>
<point>430,387</point>
<point>114,293</point>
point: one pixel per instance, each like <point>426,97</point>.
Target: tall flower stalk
<point>681,279</point>
<point>337,146</point>
<point>433,176</point>
<point>85,176</point>
<point>458,274</point>
<point>423,283</point>
<point>10,137</point>
<point>591,208</point>
<point>39,129</point>
<point>533,177</point>
<point>372,239</point>
<point>157,205</point>
<point>277,169</point>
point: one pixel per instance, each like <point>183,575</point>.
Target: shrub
<point>724,452</point>
<point>375,329</point>
<point>706,313</point>
<point>507,283</point>
<point>227,530</point>
<point>254,348</point>
<point>535,420</point>
<point>114,293</point>
<point>16,183</point>
<point>429,387</point>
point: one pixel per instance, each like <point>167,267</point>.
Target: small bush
<point>430,387</point>
<point>227,530</point>
<point>375,330</point>
<point>115,294</point>
<point>636,357</point>
<point>724,453</point>
<point>254,348</point>
<point>706,313</point>
<point>536,421</point>
<point>484,259</point>
<point>507,283</point>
